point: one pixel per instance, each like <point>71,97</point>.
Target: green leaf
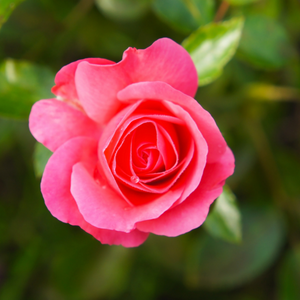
<point>6,8</point>
<point>289,276</point>
<point>184,15</point>
<point>213,263</point>
<point>240,2</point>
<point>41,156</point>
<point>123,9</point>
<point>212,46</point>
<point>21,85</point>
<point>264,43</point>
<point>225,219</point>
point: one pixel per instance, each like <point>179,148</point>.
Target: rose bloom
<point>134,153</point>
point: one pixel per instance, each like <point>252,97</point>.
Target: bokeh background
<point>255,102</point>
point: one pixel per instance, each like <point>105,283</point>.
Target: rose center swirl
<point>151,153</point>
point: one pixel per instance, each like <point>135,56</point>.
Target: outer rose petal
<point>104,208</point>
<point>184,217</point>
<point>164,61</point>
<point>97,88</point>
<point>112,237</point>
<point>55,187</point>
<point>53,122</point>
<point>97,85</point>
<point>65,78</point>
<point>55,184</point>
<point>163,91</point>
<point>193,211</point>
<point>216,173</point>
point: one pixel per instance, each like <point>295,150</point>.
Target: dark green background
<point>255,102</point>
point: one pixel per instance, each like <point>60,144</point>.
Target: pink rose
<point>134,153</point>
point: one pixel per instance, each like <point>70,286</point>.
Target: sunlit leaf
<point>264,43</point>
<point>185,15</point>
<point>224,221</point>
<point>22,84</point>
<point>40,158</point>
<point>6,8</point>
<point>212,46</point>
<point>218,264</point>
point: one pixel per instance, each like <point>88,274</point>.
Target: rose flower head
<point>134,152</point>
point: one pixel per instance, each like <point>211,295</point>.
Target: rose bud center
<point>149,151</point>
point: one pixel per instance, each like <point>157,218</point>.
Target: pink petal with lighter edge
<point>55,184</point>
<point>193,173</point>
<point>132,239</point>
<point>186,216</point>
<point>104,208</point>
<point>163,91</point>
<point>215,174</point>
<point>65,78</point>
<point>53,122</point>
<point>97,87</point>
<point>192,212</point>
<point>55,187</point>
<point>109,138</point>
<point>165,61</point>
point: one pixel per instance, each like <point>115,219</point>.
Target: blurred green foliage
<point>6,8</point>
<point>185,15</point>
<point>224,220</point>
<point>249,247</point>
<point>21,85</point>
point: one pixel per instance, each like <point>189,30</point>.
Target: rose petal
<point>97,87</point>
<point>193,173</point>
<point>53,122</point>
<point>108,141</point>
<point>55,187</point>
<point>163,91</point>
<point>186,216</point>
<point>132,239</point>
<point>165,61</point>
<point>104,208</point>
<point>215,174</point>
<point>192,212</point>
<point>166,144</point>
<point>122,166</point>
<point>111,136</point>
<point>65,78</point>
<point>55,184</point>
